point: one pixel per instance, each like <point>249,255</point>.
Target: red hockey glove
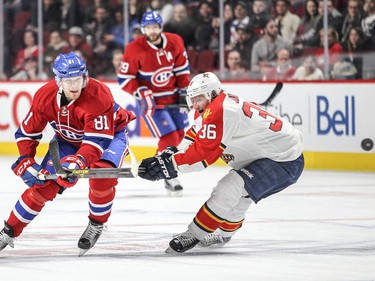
<point>26,168</point>
<point>70,162</point>
<point>146,100</point>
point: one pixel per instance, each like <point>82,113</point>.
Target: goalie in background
<point>264,150</point>
<point>90,129</point>
<point>155,70</point>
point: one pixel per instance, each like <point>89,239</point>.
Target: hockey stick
<point>174,105</point>
<point>267,102</point>
<point>88,173</point>
<point>274,93</point>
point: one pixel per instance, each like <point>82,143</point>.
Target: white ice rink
<point>320,229</point>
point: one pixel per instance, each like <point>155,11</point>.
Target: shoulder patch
<point>207,113</point>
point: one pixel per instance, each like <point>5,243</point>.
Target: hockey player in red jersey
<point>264,150</point>
<point>155,70</point>
<point>90,129</point>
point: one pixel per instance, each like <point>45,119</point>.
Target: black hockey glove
<point>169,151</point>
<point>157,168</point>
<point>184,108</point>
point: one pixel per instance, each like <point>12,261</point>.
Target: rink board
<point>333,117</point>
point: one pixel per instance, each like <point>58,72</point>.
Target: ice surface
<point>321,228</point>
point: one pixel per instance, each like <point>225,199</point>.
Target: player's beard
<point>153,38</point>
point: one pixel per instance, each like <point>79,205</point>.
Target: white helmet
<point>206,84</point>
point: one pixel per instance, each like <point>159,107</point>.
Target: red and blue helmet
<point>69,65</point>
<point>151,17</point>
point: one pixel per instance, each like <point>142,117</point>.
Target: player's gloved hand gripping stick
<point>72,174</point>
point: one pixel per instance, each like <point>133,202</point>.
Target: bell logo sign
<point>340,121</point>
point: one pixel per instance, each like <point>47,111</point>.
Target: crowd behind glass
<point>263,39</point>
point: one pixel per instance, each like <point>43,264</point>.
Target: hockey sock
<point>30,204</point>
<point>101,195</point>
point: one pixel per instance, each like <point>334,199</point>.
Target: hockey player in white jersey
<point>264,150</point>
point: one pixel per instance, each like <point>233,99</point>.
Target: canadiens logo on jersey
<point>162,76</point>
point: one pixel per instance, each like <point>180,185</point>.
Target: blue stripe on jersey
<point>144,77</point>
<point>176,71</point>
<point>102,141</point>
<point>19,134</point>
<point>23,212</point>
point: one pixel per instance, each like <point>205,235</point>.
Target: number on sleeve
<point>208,131</point>
<point>249,108</point>
<point>101,123</point>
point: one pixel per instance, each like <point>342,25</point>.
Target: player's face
<point>200,103</point>
<point>153,33</point>
<point>72,87</point>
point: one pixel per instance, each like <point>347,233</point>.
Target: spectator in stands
<point>344,70</point>
<point>241,16</point>
<point>89,12</point>
<point>29,71</point>
<point>205,36</point>
<point>51,15</point>
<point>115,38</point>
<point>263,54</point>
<point>55,46</point>
<point>111,74</point>
<point>287,22</point>
<point>235,69</point>
<point>182,25</point>
<point>30,50</point>
<point>352,18</point>
<point>245,41</point>
<point>136,32</point>
<point>354,48</point>
<point>228,19</point>
<point>368,23</point>
<point>308,70</point>
<point>335,18</point>
<point>284,70</point>
<point>95,33</point>
<point>70,14</point>
<point>260,11</point>
<point>307,36</point>
<point>77,42</point>
<point>164,8</point>
<point>335,50</point>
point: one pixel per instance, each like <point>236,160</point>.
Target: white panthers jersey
<point>239,132</point>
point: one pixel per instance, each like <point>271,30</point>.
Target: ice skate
<point>173,187</point>
<point>213,240</point>
<point>6,236</point>
<point>90,236</point>
<point>182,242</point>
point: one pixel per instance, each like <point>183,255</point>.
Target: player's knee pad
<point>227,193</point>
<point>102,185</point>
<point>41,194</point>
<point>102,192</point>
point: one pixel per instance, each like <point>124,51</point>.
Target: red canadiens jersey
<point>88,122</point>
<point>239,132</point>
<point>163,70</point>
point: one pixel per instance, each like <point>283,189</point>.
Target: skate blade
<point>174,193</point>
<point>169,250</point>
<point>82,252</point>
